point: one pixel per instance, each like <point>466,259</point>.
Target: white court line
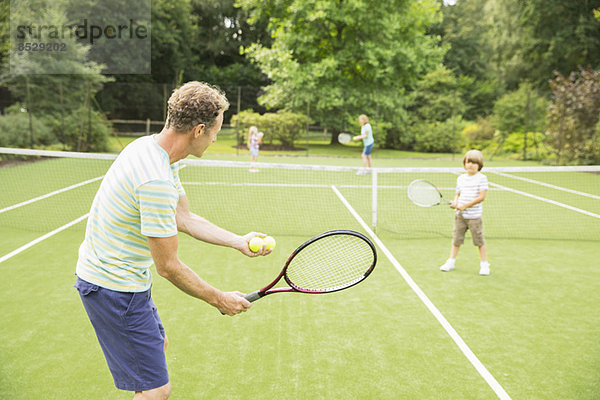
<point>24,203</point>
<point>44,237</point>
<point>485,374</point>
<point>292,185</point>
<point>556,203</point>
<point>593,196</point>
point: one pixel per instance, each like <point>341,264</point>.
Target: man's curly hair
<point>195,103</point>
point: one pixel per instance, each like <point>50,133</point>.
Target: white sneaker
<point>484,269</point>
<point>361,172</point>
<point>447,267</point>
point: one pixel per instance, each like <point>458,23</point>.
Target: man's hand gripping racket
<point>328,262</point>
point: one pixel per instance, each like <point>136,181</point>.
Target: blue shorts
<point>254,151</point>
<point>130,333</point>
<point>367,150</point>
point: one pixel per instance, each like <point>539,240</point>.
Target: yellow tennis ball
<point>256,244</point>
<point>270,242</point>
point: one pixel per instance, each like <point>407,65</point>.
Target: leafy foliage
<point>439,136</point>
<point>558,36</point>
<point>52,85</point>
<point>520,111</point>
<point>13,132</point>
<point>415,67</point>
<point>573,116</point>
<point>478,135</point>
<point>284,126</point>
<point>342,58</point>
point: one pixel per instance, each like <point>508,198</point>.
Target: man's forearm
<point>185,279</point>
<point>202,229</point>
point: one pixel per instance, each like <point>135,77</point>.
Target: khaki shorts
<point>460,227</point>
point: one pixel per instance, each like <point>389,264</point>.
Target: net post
<point>374,198</point>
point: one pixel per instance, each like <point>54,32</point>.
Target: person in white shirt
<point>471,189</point>
<point>366,135</point>
<point>254,140</point>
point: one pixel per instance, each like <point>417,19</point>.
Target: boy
<point>471,189</point>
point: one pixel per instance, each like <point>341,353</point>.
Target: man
<point>135,216</point>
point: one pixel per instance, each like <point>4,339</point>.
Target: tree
<point>521,112</point>
<point>573,116</point>
<point>341,58</point>
<point>436,109</point>
<point>558,36</point>
<point>505,38</point>
<point>464,32</point>
<point>53,85</point>
<point>5,99</point>
<point>173,30</point>
<point>191,40</point>
<point>436,97</point>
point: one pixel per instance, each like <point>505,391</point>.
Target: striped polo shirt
<point>469,187</point>
<point>137,199</point>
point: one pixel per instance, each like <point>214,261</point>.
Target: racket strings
<point>330,263</point>
<point>423,193</point>
<point>344,138</point>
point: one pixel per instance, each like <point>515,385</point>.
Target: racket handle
<point>253,296</point>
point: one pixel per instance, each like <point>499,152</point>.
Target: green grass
<point>321,152</point>
<point>533,323</point>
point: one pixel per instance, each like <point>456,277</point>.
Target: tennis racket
<point>425,194</point>
<point>344,138</point>
<point>328,262</point>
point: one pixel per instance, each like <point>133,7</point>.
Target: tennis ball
<point>256,244</point>
<point>270,242</point>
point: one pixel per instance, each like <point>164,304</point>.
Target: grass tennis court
<point>533,324</point>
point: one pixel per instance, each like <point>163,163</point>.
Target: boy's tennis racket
<point>328,262</point>
<point>425,194</point>
<point>344,138</point>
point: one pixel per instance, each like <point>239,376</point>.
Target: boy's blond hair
<point>475,157</point>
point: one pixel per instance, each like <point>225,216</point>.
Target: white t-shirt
<point>254,145</point>
<point>469,187</point>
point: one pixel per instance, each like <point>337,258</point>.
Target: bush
<point>48,130</point>
<point>439,137</point>
<point>76,136</point>
<point>478,134</point>
<point>283,126</point>
<point>14,130</point>
<point>244,120</point>
<point>381,130</point>
<point>397,133</point>
<point>512,146</point>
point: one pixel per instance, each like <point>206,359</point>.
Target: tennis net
<point>42,190</point>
